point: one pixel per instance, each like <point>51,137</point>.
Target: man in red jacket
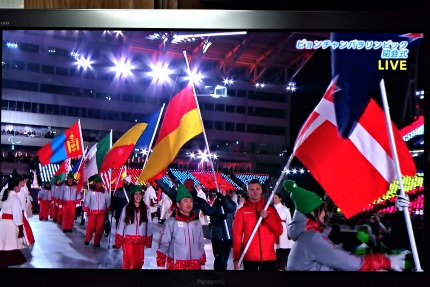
<point>260,255</point>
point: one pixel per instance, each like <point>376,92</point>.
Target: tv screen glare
<point>259,77</point>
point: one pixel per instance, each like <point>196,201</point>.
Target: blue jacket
<point>216,215</point>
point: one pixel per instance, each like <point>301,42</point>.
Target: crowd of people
<point>255,234</point>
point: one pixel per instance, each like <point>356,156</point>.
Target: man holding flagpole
<point>261,254</point>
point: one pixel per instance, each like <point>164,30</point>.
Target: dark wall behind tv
<point>306,5</point>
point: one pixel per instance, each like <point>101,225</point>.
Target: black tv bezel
<point>227,20</point>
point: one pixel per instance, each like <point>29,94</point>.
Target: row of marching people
<point>181,243</point>
<point>61,201</point>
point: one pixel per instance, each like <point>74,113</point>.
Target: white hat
<point>127,178</point>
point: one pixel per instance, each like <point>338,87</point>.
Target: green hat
<point>70,174</point>
<point>135,188</point>
<point>182,193</point>
<point>304,200</point>
<point>363,233</point>
<point>97,178</point>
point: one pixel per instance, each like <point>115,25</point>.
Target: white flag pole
<point>153,136</point>
<point>399,176</point>
<point>284,170</point>
<point>110,170</point>
<point>207,146</point>
<point>118,178</point>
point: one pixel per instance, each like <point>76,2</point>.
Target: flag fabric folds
<point>356,67</point>
<point>67,145</point>
<point>95,156</point>
<point>353,171</point>
<point>61,172</point>
<point>78,170</point>
<point>181,123</point>
<point>138,136</point>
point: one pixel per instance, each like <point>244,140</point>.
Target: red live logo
<point>392,65</point>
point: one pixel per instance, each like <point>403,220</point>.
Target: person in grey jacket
<point>181,245</point>
<point>312,249</point>
<point>134,231</point>
<point>221,213</point>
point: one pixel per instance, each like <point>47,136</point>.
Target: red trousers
<point>59,214</point>
<point>132,256</point>
<point>44,209</point>
<point>68,214</point>
<point>53,210</point>
<point>95,225</point>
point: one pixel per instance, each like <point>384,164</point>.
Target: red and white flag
<point>353,171</point>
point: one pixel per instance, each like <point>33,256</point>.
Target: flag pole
<point>399,176</point>
<point>83,157</point>
<point>153,136</point>
<point>80,134</point>
<point>207,147</point>
<point>117,179</point>
<point>278,182</point>
<point>110,170</point>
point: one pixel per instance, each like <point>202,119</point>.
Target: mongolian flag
<point>67,145</point>
<point>356,170</point>
<point>139,136</point>
<point>180,124</point>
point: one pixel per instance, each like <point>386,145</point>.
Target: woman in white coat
<point>11,226</point>
<point>283,247</point>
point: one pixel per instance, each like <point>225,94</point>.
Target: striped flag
<point>61,172</point>
<point>78,170</point>
<point>95,156</point>
<point>356,170</point>
<point>139,136</point>
<point>180,124</point>
<point>67,145</point>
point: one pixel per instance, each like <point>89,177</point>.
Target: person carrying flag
<point>261,253</point>
<point>69,198</point>
<point>97,202</point>
<point>314,251</point>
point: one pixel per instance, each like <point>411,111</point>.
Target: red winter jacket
<point>262,244</point>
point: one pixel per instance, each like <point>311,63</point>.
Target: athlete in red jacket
<point>260,255</point>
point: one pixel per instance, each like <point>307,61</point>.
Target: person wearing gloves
<point>260,255</point>
<point>134,231</point>
<point>44,200</point>
<point>220,213</point>
<point>181,245</point>
<point>312,249</point>
<point>97,201</point>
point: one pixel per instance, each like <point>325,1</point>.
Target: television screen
<point>230,96</point>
